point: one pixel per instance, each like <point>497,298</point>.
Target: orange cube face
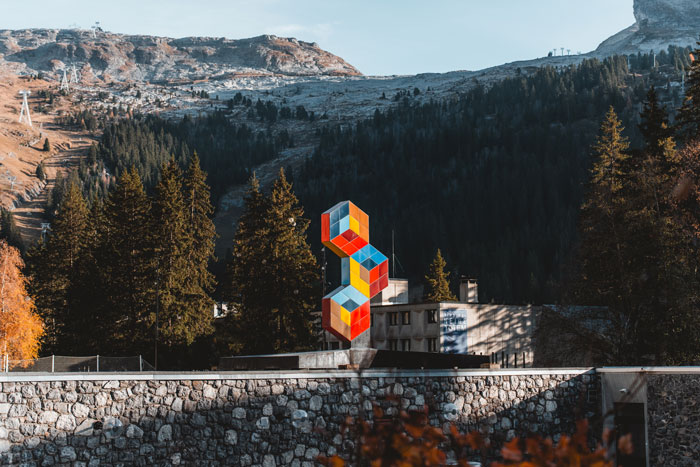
<point>365,271</point>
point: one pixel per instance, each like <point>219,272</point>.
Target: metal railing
<point>67,364</point>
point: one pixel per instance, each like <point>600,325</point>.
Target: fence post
<point>140,363</point>
<point>53,363</point>
<point>98,363</point>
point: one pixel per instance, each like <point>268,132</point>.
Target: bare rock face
<point>663,14</point>
<point>121,57</point>
<point>659,23</point>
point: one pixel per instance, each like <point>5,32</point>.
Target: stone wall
<point>673,419</point>
<point>265,418</point>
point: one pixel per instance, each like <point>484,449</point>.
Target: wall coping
<point>285,374</point>
<point>650,369</point>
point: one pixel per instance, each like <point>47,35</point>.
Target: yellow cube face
<point>345,316</point>
<point>357,282</point>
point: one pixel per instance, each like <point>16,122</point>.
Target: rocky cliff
<point>658,24</point>
<point>121,57</point>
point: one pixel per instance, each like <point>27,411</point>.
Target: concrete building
<point>504,332</point>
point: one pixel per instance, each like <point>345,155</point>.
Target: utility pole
<point>155,349</point>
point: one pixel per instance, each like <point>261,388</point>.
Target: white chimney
<point>468,291</point>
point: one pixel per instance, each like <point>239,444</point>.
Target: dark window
<point>405,317</point>
<point>405,344</point>
<point>393,318</point>
<point>393,344</point>
<point>432,316</point>
<point>629,420</point>
<point>432,344</point>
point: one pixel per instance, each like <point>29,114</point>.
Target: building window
<point>393,344</point>
<point>405,345</point>
<point>432,344</point>
<point>393,318</point>
<point>432,316</point>
<point>405,317</point>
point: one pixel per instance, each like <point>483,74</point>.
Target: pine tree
<point>201,229</point>
<point>41,171</point>
<point>54,268</point>
<point>274,273</point>
<point>20,327</point>
<point>127,259</point>
<point>688,119</point>
<point>47,145</point>
<point>437,281</point>
<point>185,308</point>
<point>654,125</point>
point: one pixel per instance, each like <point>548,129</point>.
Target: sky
<point>379,37</point>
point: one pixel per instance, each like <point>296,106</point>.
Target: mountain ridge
<point>111,56</point>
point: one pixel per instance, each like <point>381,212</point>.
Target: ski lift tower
<point>95,28</point>
<point>64,82</point>
<point>24,116</point>
<point>45,228</point>
<point>73,74</point>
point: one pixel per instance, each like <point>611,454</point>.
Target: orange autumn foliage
<point>20,327</point>
<point>409,440</point>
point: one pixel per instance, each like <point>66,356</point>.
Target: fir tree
<point>54,267</point>
<point>689,114</point>
<point>274,273</point>
<point>185,308</point>
<point>128,264</point>
<point>654,125</point>
<point>437,281</point>
<point>47,145</point>
<point>41,171</point>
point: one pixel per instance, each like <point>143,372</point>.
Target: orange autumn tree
<point>20,327</point>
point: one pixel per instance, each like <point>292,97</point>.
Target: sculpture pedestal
<point>363,341</point>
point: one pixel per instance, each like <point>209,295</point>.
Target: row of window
<point>405,344</point>
<point>430,317</point>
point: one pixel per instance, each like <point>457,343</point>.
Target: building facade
<point>504,332</point>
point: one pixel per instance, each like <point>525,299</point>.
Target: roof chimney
<point>468,290</point>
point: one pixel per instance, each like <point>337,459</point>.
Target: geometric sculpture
<point>364,271</point>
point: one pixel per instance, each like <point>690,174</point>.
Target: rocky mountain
<point>659,23</point>
<point>109,56</point>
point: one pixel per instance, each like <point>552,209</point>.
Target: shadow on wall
<point>269,421</point>
<point>505,333</point>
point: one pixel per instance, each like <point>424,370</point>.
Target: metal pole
<point>155,350</point>
<point>98,363</point>
<point>53,363</point>
<point>140,363</point>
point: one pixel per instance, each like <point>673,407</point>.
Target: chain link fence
<point>89,364</point>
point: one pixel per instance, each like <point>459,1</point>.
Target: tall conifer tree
<point>54,268</point>
<point>274,273</point>
<point>654,125</point>
<point>185,309</point>
<point>127,260</point>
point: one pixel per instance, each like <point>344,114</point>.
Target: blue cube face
<point>344,209</point>
<point>335,216</point>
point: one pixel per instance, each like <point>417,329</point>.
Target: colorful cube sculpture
<point>365,271</point>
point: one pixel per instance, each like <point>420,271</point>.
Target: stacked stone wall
<point>266,418</point>
<point>673,419</point>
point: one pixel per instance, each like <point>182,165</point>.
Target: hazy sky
<point>379,37</point>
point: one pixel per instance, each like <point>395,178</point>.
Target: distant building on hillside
<point>504,332</point>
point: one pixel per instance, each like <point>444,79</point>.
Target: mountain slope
<point>659,23</point>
